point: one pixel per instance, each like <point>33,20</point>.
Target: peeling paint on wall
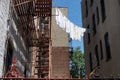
<point>4,11</point>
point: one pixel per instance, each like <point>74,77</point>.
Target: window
<point>25,72</point>
<point>119,2</point>
<point>91,63</point>
<point>88,28</point>
<point>97,56</point>
<point>9,56</point>
<point>86,4</point>
<point>101,50</point>
<point>94,24</point>
<point>103,10</point>
<point>98,19</point>
<point>107,46</point>
<point>91,2</point>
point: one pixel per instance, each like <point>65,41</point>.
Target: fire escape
<point>35,22</point>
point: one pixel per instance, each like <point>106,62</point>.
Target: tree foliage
<point>77,63</point>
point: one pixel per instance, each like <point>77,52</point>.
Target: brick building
<point>40,46</point>
<point>60,48</point>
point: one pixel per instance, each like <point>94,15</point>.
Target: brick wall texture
<point>60,62</point>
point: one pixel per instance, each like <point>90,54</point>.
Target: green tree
<point>77,63</point>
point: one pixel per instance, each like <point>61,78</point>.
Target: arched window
<point>9,56</point>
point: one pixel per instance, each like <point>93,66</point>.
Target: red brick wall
<point>60,62</point>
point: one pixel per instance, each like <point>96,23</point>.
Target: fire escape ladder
<point>43,12</point>
<point>34,17</point>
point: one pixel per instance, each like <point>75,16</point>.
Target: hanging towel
<point>67,26</point>
<point>75,32</point>
<point>72,30</point>
<point>56,12</point>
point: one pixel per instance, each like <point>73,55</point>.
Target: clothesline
<point>76,32</point>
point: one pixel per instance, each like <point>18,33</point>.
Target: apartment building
<point>102,40</point>
<point>29,31</point>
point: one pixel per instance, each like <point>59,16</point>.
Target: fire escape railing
<point>39,35</point>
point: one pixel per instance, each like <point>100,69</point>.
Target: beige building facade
<point>102,39</point>
<point>60,48</point>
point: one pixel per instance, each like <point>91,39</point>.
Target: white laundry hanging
<point>64,22</point>
<point>75,31</point>
<point>80,33</point>
<point>67,25</point>
<point>57,16</point>
<point>72,31</point>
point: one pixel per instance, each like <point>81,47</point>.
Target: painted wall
<point>59,36</point>
<point>4,11</point>
<point>10,31</point>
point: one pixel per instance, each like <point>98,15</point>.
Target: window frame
<point>88,34</point>
<point>91,2</point>
<point>86,8</point>
<point>90,62</point>
<point>97,55</point>
<point>103,10</point>
<point>97,14</point>
<point>101,49</point>
<point>94,24</point>
<point>107,47</point>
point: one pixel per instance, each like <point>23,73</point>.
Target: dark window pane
<point>98,19</point>
<point>9,55</point>
<point>103,10</point>
<point>88,28</point>
<point>101,50</point>
<point>86,4</point>
<point>107,46</point>
<point>91,63</point>
<point>97,56</point>
<point>91,2</point>
<point>94,24</point>
<point>119,2</point>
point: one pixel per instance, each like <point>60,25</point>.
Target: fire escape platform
<point>34,22</point>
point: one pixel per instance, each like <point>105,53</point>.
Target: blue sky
<point>74,15</point>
